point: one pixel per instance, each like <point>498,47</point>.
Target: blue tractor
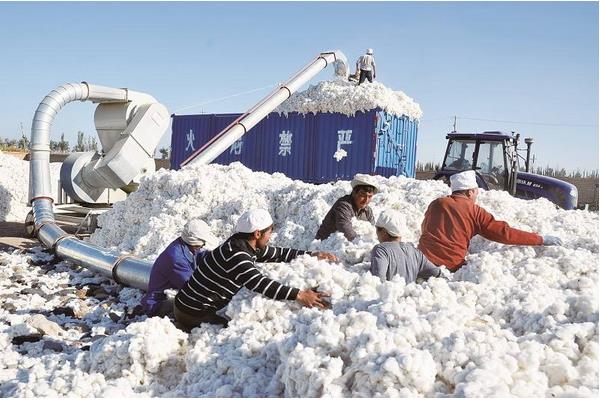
<point>494,157</point>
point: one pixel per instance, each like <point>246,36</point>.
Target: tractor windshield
<point>460,155</point>
<point>491,164</point>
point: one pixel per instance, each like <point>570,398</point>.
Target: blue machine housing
<point>533,186</point>
<point>302,146</point>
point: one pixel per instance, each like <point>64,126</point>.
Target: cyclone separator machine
<point>130,125</point>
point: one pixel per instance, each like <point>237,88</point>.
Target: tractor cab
<point>494,157</point>
<point>490,154</point>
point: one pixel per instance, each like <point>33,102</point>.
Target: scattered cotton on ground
<point>514,321</point>
<point>347,98</point>
<point>14,187</point>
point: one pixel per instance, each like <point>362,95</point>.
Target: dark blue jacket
<point>171,270</point>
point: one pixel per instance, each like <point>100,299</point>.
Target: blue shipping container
<point>303,146</point>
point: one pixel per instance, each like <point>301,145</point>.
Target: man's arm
<point>278,254</point>
<point>380,262</point>
<point>501,232</point>
<point>180,273</point>
<point>244,273</point>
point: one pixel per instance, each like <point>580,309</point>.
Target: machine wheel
<point>29,225</point>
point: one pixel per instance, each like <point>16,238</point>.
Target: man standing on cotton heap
<point>451,222</point>
<point>231,266</point>
<point>366,65</point>
<point>354,205</point>
<point>391,257</point>
<point>175,265</point>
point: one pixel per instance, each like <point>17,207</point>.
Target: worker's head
<point>256,227</point>
<point>390,225</point>
<point>465,183</point>
<point>197,235</point>
<point>364,187</point>
<point>370,51</point>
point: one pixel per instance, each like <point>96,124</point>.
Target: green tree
<point>23,143</point>
<point>91,144</point>
<point>63,145</point>
<point>80,146</point>
<point>164,152</point>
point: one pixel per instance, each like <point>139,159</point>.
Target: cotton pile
<point>14,187</point>
<point>347,98</point>
<point>514,321</point>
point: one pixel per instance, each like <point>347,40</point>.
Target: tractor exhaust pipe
<point>528,142</point>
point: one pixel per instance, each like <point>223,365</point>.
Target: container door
<point>284,143</point>
<point>188,133</point>
<point>335,134</point>
<point>396,145</point>
<point>242,150</point>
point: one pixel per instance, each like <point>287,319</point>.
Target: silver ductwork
<point>124,269</point>
<point>224,139</point>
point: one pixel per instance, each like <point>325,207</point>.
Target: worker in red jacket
<point>450,222</point>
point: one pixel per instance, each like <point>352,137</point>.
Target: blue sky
<point>532,63</point>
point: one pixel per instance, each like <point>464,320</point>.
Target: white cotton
<point>345,97</point>
<point>514,321</point>
<point>14,187</point>
<point>340,154</point>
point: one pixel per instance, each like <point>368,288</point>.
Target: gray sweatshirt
<point>391,258</point>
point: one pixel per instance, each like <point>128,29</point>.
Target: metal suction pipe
<point>243,124</point>
<point>124,269</point>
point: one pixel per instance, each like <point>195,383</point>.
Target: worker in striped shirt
<point>224,271</point>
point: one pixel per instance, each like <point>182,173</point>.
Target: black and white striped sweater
<point>225,270</point>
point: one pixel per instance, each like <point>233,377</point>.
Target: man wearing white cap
<point>231,266</point>
<point>354,205</point>
<point>392,257</point>
<point>175,265</point>
<point>366,65</point>
<point>450,222</point>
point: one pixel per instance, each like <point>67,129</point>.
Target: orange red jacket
<point>449,224</point>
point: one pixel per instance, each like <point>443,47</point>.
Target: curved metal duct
<point>124,269</point>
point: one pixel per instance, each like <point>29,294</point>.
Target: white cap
<point>463,181</point>
<point>392,221</point>
<point>370,51</point>
<point>364,179</point>
<point>253,220</point>
<point>197,232</point>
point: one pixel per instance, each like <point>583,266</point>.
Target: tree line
<point>556,172</point>
<point>84,143</point>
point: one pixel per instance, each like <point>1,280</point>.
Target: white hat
<point>197,232</point>
<point>463,181</point>
<point>392,221</point>
<point>370,51</point>
<point>364,179</point>
<point>253,220</point>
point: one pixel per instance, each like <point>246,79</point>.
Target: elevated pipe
<point>127,270</point>
<point>224,139</point>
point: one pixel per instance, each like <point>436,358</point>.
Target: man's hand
<point>321,255</point>
<point>552,241</point>
<point>311,298</point>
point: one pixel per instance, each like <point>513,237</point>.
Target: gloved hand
<point>552,241</point>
